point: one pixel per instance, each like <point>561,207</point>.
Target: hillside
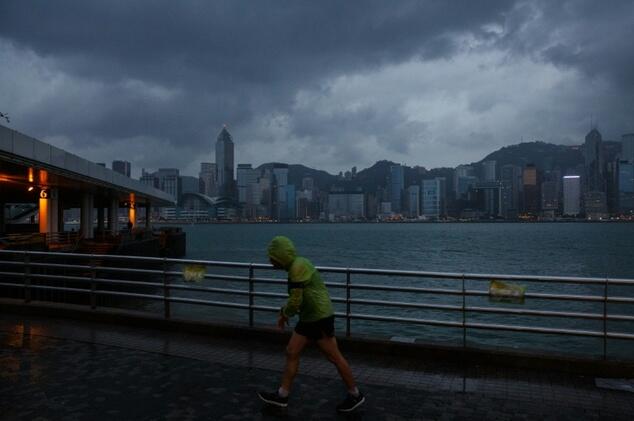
<point>545,156</point>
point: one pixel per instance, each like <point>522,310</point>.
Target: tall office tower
<point>149,179</point>
<point>593,157</point>
<point>208,181</point>
<point>550,197</point>
<point>488,198</point>
<point>572,195</point>
<point>346,205</point>
<point>626,187</point>
<point>511,177</point>
<point>225,163</point>
<point>434,198</point>
<point>489,172</point>
<point>465,184</point>
<point>308,183</point>
<point>280,199</point>
<point>397,185</point>
<point>461,172</point>
<point>260,197</point>
<point>413,201</point>
<point>122,167</point>
<point>187,184</point>
<point>627,147</point>
<point>246,175</point>
<point>530,184</point>
<point>168,181</point>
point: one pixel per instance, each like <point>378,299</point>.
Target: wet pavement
<point>66,369</point>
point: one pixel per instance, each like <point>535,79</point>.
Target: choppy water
<point>574,249</point>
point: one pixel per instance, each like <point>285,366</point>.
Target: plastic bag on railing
<point>506,293</point>
<point>193,273</point>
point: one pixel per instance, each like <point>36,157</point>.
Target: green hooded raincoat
<point>307,294</point>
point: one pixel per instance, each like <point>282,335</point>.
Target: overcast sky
<point>328,84</point>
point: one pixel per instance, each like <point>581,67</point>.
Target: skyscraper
<point>225,163</point>
<point>572,195</point>
<point>489,170</point>
<point>593,156</point>
<point>246,175</point>
<point>461,172</point>
<point>397,185</point>
<point>280,197</point>
<point>626,187</point>
<point>550,197</point>
<point>530,183</point>
<point>208,181</point>
<point>122,167</point>
<point>413,201</point>
<point>434,198</point>
<point>168,181</point>
<point>511,176</point>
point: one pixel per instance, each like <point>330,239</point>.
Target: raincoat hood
<point>282,250</point>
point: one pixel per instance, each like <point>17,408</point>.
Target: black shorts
<point>322,328</point>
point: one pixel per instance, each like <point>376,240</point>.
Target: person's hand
<point>282,320</point>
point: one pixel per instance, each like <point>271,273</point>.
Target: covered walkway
<point>50,180</point>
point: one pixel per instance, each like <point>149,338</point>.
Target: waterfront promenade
<point>54,368</point>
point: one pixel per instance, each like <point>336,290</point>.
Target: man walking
<point>308,297</point>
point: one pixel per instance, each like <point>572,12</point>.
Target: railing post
<point>93,284</point>
<point>348,302</point>
<point>464,315</point>
<point>166,291</point>
<point>27,278</point>
<point>251,296</point>
<point>605,320</point>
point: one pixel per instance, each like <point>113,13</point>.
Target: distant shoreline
<point>583,221</point>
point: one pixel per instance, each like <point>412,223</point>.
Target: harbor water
<point>566,249</point>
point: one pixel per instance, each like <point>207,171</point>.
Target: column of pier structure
<point>113,216</point>
<point>148,215</point>
<point>48,211</point>
<point>87,214</point>
<point>60,212</point>
<point>132,214</point>
<point>101,219</point>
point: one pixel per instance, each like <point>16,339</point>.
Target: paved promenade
<point>65,369</point>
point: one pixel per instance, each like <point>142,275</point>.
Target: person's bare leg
<point>293,350</point>
<point>330,348</point>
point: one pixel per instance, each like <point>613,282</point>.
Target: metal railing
<point>25,270</point>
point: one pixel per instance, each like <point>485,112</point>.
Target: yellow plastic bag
<point>505,292</point>
<point>194,273</point>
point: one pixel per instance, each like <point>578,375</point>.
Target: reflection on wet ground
<point>56,368</point>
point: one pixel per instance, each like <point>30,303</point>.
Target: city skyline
<point>325,84</point>
<point>536,181</point>
<point>628,153</point>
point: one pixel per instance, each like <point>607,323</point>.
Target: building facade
<point>122,167</point>
<point>225,163</point>
<point>397,186</point>
<point>572,195</point>
<point>208,182</point>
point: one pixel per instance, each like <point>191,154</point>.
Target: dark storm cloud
<point>169,74</point>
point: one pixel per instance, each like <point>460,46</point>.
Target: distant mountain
<point>545,156</point>
<point>375,176</point>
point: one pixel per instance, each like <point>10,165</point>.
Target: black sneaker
<point>273,398</point>
<point>351,403</point>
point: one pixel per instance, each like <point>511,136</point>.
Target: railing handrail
<point>352,270</point>
<point>93,273</point>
